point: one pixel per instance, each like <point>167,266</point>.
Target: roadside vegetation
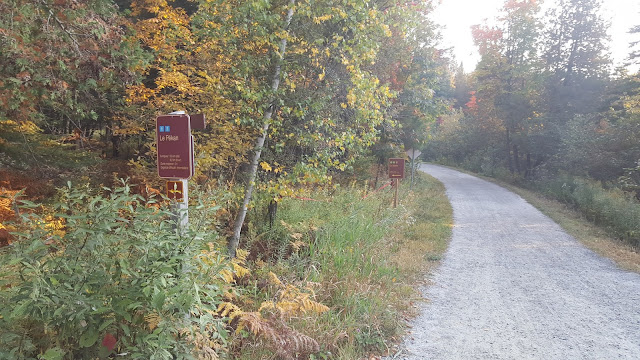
<point>303,99</point>
<point>104,272</point>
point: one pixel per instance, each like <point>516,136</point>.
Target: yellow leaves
<point>292,300</point>
<point>339,11</point>
<point>351,98</point>
<point>321,19</point>
<point>238,269</point>
<point>273,279</point>
<point>321,76</point>
<point>152,320</point>
<point>54,225</point>
<point>25,127</point>
<point>177,80</point>
<point>139,94</point>
<point>227,309</point>
<point>386,30</point>
<point>265,166</point>
<point>6,199</point>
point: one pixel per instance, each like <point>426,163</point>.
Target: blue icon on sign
<point>161,129</point>
<point>167,128</point>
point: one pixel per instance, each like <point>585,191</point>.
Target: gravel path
<point>514,285</point>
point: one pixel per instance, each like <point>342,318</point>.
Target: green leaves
<point>119,267</point>
<point>52,354</point>
<point>89,338</point>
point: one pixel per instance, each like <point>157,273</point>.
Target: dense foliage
<point>544,99</point>
<point>106,271</point>
<point>298,94</point>
<point>545,107</point>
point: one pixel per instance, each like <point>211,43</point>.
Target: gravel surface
<point>514,285</point>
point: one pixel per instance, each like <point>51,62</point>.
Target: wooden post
<point>412,169</point>
<point>180,207</point>
<point>395,196</point>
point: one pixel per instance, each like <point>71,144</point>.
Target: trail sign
<point>396,168</point>
<point>175,148</point>
<point>175,190</point>
<point>413,154</point>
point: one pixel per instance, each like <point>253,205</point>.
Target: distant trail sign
<point>396,168</point>
<point>175,148</point>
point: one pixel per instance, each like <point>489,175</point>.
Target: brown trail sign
<point>396,168</point>
<point>175,159</point>
<point>396,171</point>
<point>175,151</point>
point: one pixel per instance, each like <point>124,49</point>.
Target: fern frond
<point>288,343</point>
<point>203,347</point>
<point>227,309</point>
<point>152,320</point>
<point>267,305</point>
<point>273,278</point>
<point>241,256</point>
<point>240,271</point>
<point>227,276</point>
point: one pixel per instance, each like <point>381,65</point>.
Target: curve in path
<point>514,285</point>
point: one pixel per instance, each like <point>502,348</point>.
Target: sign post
<point>413,154</point>
<point>396,171</point>
<point>175,160</point>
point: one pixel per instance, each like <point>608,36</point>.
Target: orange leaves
<point>472,105</point>
<point>6,204</point>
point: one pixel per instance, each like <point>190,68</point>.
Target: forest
<point>545,108</point>
<point>304,100</point>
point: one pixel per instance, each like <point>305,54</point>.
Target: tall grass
<point>362,255</point>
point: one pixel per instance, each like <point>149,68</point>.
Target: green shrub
<point>108,273</point>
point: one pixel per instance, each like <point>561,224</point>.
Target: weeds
<point>100,273</point>
<point>362,257</point>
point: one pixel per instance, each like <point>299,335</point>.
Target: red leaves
<point>472,105</point>
<point>109,341</point>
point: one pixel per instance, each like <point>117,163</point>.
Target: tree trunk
<point>253,170</point>
<point>375,184</point>
<point>115,146</point>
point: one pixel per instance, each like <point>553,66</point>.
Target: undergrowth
<point>100,273</point>
<point>359,258</point>
<point>105,272</point>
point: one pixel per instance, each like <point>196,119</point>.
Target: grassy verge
<point>360,258</point>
